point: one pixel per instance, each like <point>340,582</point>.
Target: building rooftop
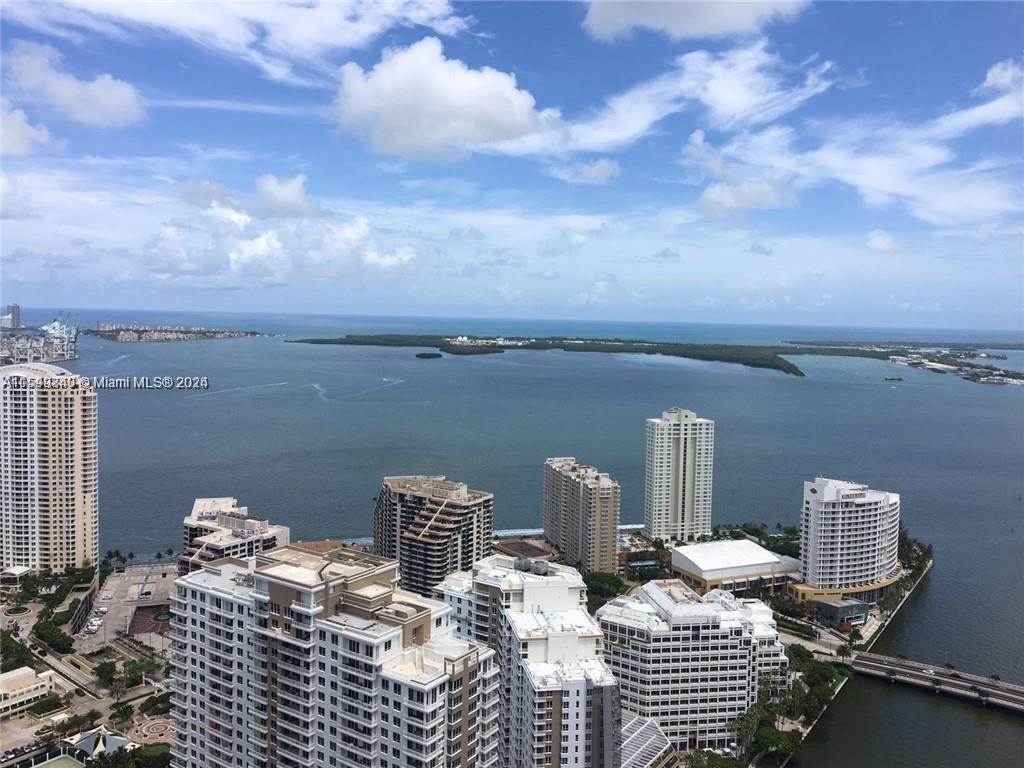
<point>435,487</point>
<point>18,678</point>
<point>310,569</point>
<point>657,605</point>
<point>216,505</point>
<point>555,675</point>
<point>585,473</point>
<point>543,624</point>
<point>715,555</point>
<point>425,663</point>
<point>830,489</point>
<point>512,573</point>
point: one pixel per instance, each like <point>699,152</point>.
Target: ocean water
<point>303,435</point>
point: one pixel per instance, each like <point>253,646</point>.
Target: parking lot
<point>121,594</point>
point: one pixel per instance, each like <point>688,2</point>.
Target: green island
<point>772,357</point>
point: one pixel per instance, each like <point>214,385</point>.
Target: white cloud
<point>601,171</point>
<point>880,240</point>
<point>608,20</point>
<point>14,202</point>
<point>445,185</point>
<point>597,291</point>
<point>1004,76</point>
<point>284,197</point>
<point>288,42</point>
<point>886,162</point>
<point>18,136</point>
<point>32,71</point>
<point>743,86</point>
<point>416,103</point>
<point>747,195</point>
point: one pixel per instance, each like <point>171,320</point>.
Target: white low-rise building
<point>734,565</point>
<point>22,687</point>
<point>693,664</point>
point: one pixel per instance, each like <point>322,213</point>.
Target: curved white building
<point>48,469</point>
<point>849,539</point>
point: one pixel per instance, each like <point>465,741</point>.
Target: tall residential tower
<point>559,700</point>
<point>677,490</point>
<point>293,658</point>
<point>581,514</point>
<point>48,469</point>
<point>432,526</point>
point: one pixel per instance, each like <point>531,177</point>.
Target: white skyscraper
<point>692,663</point>
<point>559,699</point>
<point>680,462</point>
<point>292,658</point>
<point>48,469</point>
<point>849,540</point>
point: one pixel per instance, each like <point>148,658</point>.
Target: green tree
<point>121,712</point>
<point>105,672</point>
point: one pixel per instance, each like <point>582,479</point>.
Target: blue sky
<point>783,162</point>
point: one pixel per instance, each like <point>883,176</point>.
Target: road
<point>941,679</point>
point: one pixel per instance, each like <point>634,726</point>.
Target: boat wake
<point>235,389</point>
<point>387,383</point>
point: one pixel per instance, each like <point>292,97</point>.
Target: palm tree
<point>159,555</point>
<point>130,556</point>
<point>845,650</point>
<point>169,551</point>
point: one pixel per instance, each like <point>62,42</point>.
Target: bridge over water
<point>941,679</point>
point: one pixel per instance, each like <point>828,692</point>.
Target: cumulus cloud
<point>601,171</point>
<point>760,249</point>
<point>284,197</point>
<point>33,71</point>
<point>287,42</point>
<point>880,240</point>
<point>416,102</point>
<point>18,136</point>
<point>608,20</point>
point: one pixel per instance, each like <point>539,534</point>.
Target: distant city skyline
<point>766,163</point>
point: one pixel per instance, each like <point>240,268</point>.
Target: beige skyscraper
<point>432,526</point>
<point>581,514</point>
<point>680,461</point>
<point>48,469</point>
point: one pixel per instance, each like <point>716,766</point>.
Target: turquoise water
<point>303,435</point>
